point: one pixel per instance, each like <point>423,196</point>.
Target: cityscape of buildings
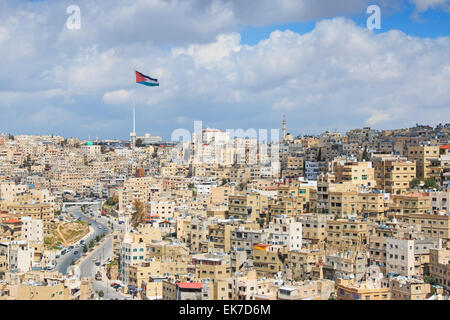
<point>361,215</point>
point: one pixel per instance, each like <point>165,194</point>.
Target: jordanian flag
<point>146,80</point>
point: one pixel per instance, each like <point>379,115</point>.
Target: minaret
<point>284,128</point>
<point>133,134</point>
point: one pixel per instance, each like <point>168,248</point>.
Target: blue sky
<point>228,63</point>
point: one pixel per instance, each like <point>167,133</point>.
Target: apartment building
<point>394,175</point>
<point>440,266</point>
<point>400,257</point>
<point>285,231</point>
<point>314,228</point>
<point>345,233</point>
<point>269,259</point>
<point>439,201</point>
<point>348,289</point>
<point>358,173</point>
<point>248,207</point>
<point>339,264</point>
<point>422,155</point>
<point>306,263</point>
<point>246,239</point>
<point>433,225</point>
<point>403,288</point>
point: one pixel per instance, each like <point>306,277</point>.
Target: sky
<point>228,63</point>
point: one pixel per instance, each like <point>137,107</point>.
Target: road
<point>63,263</point>
<point>101,253</point>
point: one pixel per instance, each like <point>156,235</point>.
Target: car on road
<point>63,252</point>
<point>57,256</point>
<point>94,259</point>
<point>71,247</point>
<point>76,252</point>
<point>97,263</point>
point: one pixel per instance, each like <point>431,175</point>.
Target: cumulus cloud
<point>119,97</point>
<point>424,5</point>
<point>339,75</point>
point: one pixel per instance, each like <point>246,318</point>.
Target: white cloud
<point>118,97</point>
<point>424,5</point>
<point>336,75</point>
<point>283,104</point>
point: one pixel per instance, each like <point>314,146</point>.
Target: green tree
<point>101,294</point>
<point>429,279</point>
<point>97,238</point>
<point>72,262</point>
<point>139,142</point>
<point>430,183</point>
<point>365,155</point>
<point>415,182</point>
<point>85,249</point>
<point>91,243</point>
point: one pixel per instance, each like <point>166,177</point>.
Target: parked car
<point>76,252</point>
<point>63,252</point>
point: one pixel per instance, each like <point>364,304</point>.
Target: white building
<point>32,229</point>
<point>285,230</point>
<point>131,253</point>
<point>163,209</point>
<point>19,255</point>
<point>400,256</point>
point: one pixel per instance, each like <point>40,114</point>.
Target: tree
<point>85,249</point>
<point>429,279</point>
<point>415,182</point>
<point>102,149</point>
<point>365,155</point>
<point>138,215</point>
<point>319,155</point>
<point>97,238</point>
<point>139,142</point>
<point>91,244</point>
<point>72,262</point>
<point>430,183</point>
<point>101,294</point>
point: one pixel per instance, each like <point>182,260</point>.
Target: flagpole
<point>133,134</point>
